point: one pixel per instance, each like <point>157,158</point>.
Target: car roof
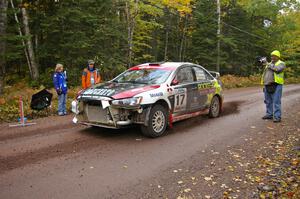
<point>162,65</point>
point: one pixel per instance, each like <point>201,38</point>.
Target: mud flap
<point>147,114</point>
<point>170,120</point>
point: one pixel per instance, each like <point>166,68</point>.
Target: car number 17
<point>180,101</point>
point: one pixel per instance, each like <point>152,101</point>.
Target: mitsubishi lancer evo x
<point>152,95</point>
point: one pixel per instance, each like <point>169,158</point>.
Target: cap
<point>91,61</point>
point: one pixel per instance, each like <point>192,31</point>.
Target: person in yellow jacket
<point>273,80</point>
<point>90,75</point>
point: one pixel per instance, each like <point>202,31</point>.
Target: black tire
<point>158,121</point>
<point>215,107</point>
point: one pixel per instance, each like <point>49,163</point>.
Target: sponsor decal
<point>169,89</point>
<point>205,86</point>
<point>180,99</point>
<point>105,92</point>
<point>156,94</point>
<point>207,91</point>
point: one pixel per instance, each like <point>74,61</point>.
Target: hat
<point>91,61</point>
<point>275,53</point>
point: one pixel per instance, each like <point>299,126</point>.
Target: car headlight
<point>128,101</point>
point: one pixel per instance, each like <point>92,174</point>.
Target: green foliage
<point>71,32</point>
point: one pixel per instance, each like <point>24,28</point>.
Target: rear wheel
<point>157,123</point>
<point>214,109</point>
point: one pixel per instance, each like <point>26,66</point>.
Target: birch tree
<point>31,55</point>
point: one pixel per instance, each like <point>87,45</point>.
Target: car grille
<point>95,114</point>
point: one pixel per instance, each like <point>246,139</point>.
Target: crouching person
<point>60,85</point>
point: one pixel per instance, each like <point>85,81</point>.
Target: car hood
<point>117,90</point>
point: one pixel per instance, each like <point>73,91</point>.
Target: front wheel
<point>214,109</point>
<point>157,123</point>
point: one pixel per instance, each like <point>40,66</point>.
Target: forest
<point>221,35</point>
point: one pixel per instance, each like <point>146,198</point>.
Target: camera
<point>261,60</point>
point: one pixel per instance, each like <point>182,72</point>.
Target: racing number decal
<point>180,100</point>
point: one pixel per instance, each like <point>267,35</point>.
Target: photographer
<point>60,85</point>
<point>273,80</point>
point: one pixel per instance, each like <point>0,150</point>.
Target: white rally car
<point>152,95</point>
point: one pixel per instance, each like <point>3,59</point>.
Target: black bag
<point>41,100</point>
<point>271,88</point>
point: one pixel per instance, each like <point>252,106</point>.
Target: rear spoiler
<point>215,74</point>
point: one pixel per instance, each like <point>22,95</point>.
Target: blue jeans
<point>273,102</point>
<point>62,104</point>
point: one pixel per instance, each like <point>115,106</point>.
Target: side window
<point>200,73</point>
<point>208,76</point>
<point>185,75</point>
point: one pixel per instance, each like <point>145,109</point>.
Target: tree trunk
<point>183,37</point>
<point>167,28</point>
<point>130,28</point>
<point>31,55</point>
<point>21,35</point>
<point>218,35</point>
<point>3,22</point>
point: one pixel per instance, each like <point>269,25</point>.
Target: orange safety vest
<point>86,78</point>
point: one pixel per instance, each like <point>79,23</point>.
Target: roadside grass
<point>9,102</point>
<point>231,81</point>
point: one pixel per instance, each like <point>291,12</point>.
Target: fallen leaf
<point>180,182</point>
<point>280,142</point>
<point>230,168</point>
<point>207,178</point>
<point>224,186</point>
<point>187,190</point>
<point>2,101</point>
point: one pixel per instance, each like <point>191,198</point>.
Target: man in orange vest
<point>90,75</point>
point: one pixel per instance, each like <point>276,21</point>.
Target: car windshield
<point>144,76</point>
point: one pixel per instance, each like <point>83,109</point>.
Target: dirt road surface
<point>57,159</point>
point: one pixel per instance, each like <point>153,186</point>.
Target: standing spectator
<point>273,80</point>
<point>60,85</point>
<point>90,75</point>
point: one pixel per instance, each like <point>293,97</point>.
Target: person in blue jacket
<point>60,85</point>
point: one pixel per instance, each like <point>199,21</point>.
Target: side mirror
<point>174,82</point>
<point>215,74</point>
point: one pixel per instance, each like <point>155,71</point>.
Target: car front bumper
<point>94,114</point>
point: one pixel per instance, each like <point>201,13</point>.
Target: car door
<point>185,85</point>
<point>205,88</point>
